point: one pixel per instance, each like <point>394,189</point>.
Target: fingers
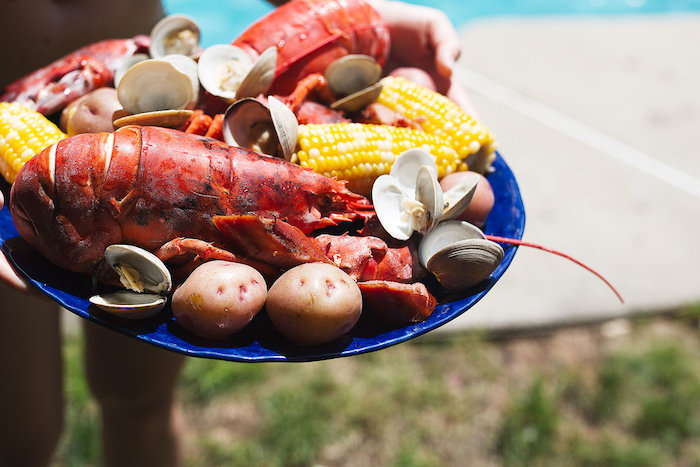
<point>445,41</point>
<point>10,278</point>
<point>2,200</point>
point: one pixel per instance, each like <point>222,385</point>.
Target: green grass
<point>440,401</point>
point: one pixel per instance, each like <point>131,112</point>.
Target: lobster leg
<point>205,251</point>
<point>271,241</point>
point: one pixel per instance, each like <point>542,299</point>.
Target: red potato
<point>481,204</point>
<point>314,303</point>
<point>219,299</point>
<point>91,113</point>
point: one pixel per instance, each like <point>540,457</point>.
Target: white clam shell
<point>153,85</point>
<point>429,194</point>
<point>129,305</point>
<point>464,264</point>
<point>251,124</point>
<point>358,100</point>
<point>444,234</point>
<point>145,277</point>
<point>174,34</point>
<point>405,167</point>
<point>286,126</point>
<point>389,199</point>
<point>458,197</point>
<point>222,68</point>
<point>125,64</point>
<point>188,66</point>
<point>260,77</point>
<point>153,274</point>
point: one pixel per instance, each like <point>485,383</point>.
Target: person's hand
<point>8,275</point>
<point>423,37</point>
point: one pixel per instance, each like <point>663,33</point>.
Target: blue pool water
<point>222,21</point>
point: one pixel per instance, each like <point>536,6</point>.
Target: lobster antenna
<point>512,241</point>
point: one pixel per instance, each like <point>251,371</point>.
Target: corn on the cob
<point>438,115</point>
<point>23,133</point>
<point>359,153</point>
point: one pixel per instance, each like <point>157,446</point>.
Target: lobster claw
<point>58,86</point>
<point>269,240</point>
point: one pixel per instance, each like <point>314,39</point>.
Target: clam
<point>355,79</point>
<point>155,84</point>
<point>260,77</point>
<point>221,69</point>
<point>126,63</point>
<point>409,198</point>
<point>228,72</point>
<point>459,255</point>
<point>146,281</point>
<point>174,34</point>
<point>267,128</point>
<point>188,66</point>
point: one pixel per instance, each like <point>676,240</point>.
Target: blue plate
<point>260,342</point>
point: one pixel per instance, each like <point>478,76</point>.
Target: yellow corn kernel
<point>440,116</point>
<point>360,152</point>
<point>23,133</point>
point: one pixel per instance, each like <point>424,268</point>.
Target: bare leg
<point>31,395</point>
<point>134,384</point>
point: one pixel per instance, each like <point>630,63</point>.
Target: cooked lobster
<point>172,192</point>
<point>310,34</point>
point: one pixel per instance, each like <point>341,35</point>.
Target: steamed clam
<point>459,255</point>
<point>409,199</point>
<point>355,78</point>
<point>155,84</point>
<point>174,34</point>
<point>270,128</point>
<point>146,281</point>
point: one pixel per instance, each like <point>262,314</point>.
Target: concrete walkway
<point>598,118</point>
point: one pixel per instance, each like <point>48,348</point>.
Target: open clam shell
<point>458,197</point>
<point>174,34</point>
<point>355,79</point>
<point>358,100</point>
<point>260,77</point>
<point>126,63</point>
<point>145,278</point>
<point>154,84</point>
<point>222,68</point>
<point>352,73</point>
<point>429,194</point>
<point>188,66</point>
<point>405,168</point>
<point>271,129</point>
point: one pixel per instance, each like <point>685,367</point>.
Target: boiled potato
<point>91,113</point>
<point>219,298</point>
<point>314,303</point>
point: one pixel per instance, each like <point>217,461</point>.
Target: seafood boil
<point>286,149</point>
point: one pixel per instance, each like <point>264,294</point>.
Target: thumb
<point>447,51</point>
